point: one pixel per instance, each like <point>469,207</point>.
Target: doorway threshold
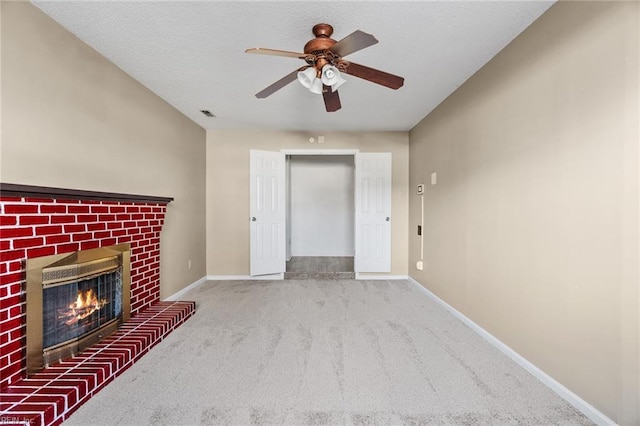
<point>320,268</point>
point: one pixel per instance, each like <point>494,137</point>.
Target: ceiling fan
<point>323,56</point>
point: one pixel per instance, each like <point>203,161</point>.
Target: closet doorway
<point>320,223</point>
<point>272,216</point>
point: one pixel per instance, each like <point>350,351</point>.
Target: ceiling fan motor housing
<point>319,46</point>
<point>323,40</point>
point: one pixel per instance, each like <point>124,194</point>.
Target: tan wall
<point>72,119</point>
<point>228,188</point>
<point>532,227</point>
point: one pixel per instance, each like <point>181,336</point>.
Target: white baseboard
<point>580,404</point>
<point>179,294</point>
<point>364,276</point>
<point>279,276</point>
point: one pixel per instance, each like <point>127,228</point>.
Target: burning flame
<point>85,304</point>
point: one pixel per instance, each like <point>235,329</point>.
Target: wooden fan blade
<point>355,41</point>
<point>331,99</point>
<point>376,76</point>
<point>273,52</point>
<point>269,90</point>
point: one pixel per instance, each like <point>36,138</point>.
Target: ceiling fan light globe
<point>316,87</point>
<point>339,82</point>
<point>330,75</point>
<point>307,77</point>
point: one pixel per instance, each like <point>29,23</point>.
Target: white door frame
<point>345,152</point>
<point>353,152</point>
<point>318,152</point>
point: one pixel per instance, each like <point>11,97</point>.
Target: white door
<point>267,212</point>
<point>373,212</point>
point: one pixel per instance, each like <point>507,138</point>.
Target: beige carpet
<point>323,352</point>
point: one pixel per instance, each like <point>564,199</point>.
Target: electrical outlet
<point>419,265</point>
<point>189,263</point>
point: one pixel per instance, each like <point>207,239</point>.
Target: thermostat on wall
<point>421,189</point>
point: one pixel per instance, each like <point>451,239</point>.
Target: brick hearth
<point>33,227</point>
<point>52,395</point>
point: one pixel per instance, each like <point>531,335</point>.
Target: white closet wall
<point>322,205</point>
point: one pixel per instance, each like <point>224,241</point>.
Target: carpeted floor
<point>323,352</point>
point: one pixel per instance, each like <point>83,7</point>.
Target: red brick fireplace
<point>37,221</point>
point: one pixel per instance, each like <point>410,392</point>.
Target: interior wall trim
<point>320,151</point>
<point>178,294</point>
<point>19,190</point>
<point>276,277</point>
<point>580,404</point>
<point>364,276</point>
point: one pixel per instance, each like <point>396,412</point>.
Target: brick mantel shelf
<point>31,191</point>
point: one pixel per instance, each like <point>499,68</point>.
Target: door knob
<point>388,219</point>
<point>253,219</point>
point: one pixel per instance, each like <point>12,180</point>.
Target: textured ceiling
<point>191,53</point>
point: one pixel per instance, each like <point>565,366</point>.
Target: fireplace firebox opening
<point>74,300</point>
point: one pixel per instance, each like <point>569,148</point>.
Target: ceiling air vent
<point>207,113</point>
